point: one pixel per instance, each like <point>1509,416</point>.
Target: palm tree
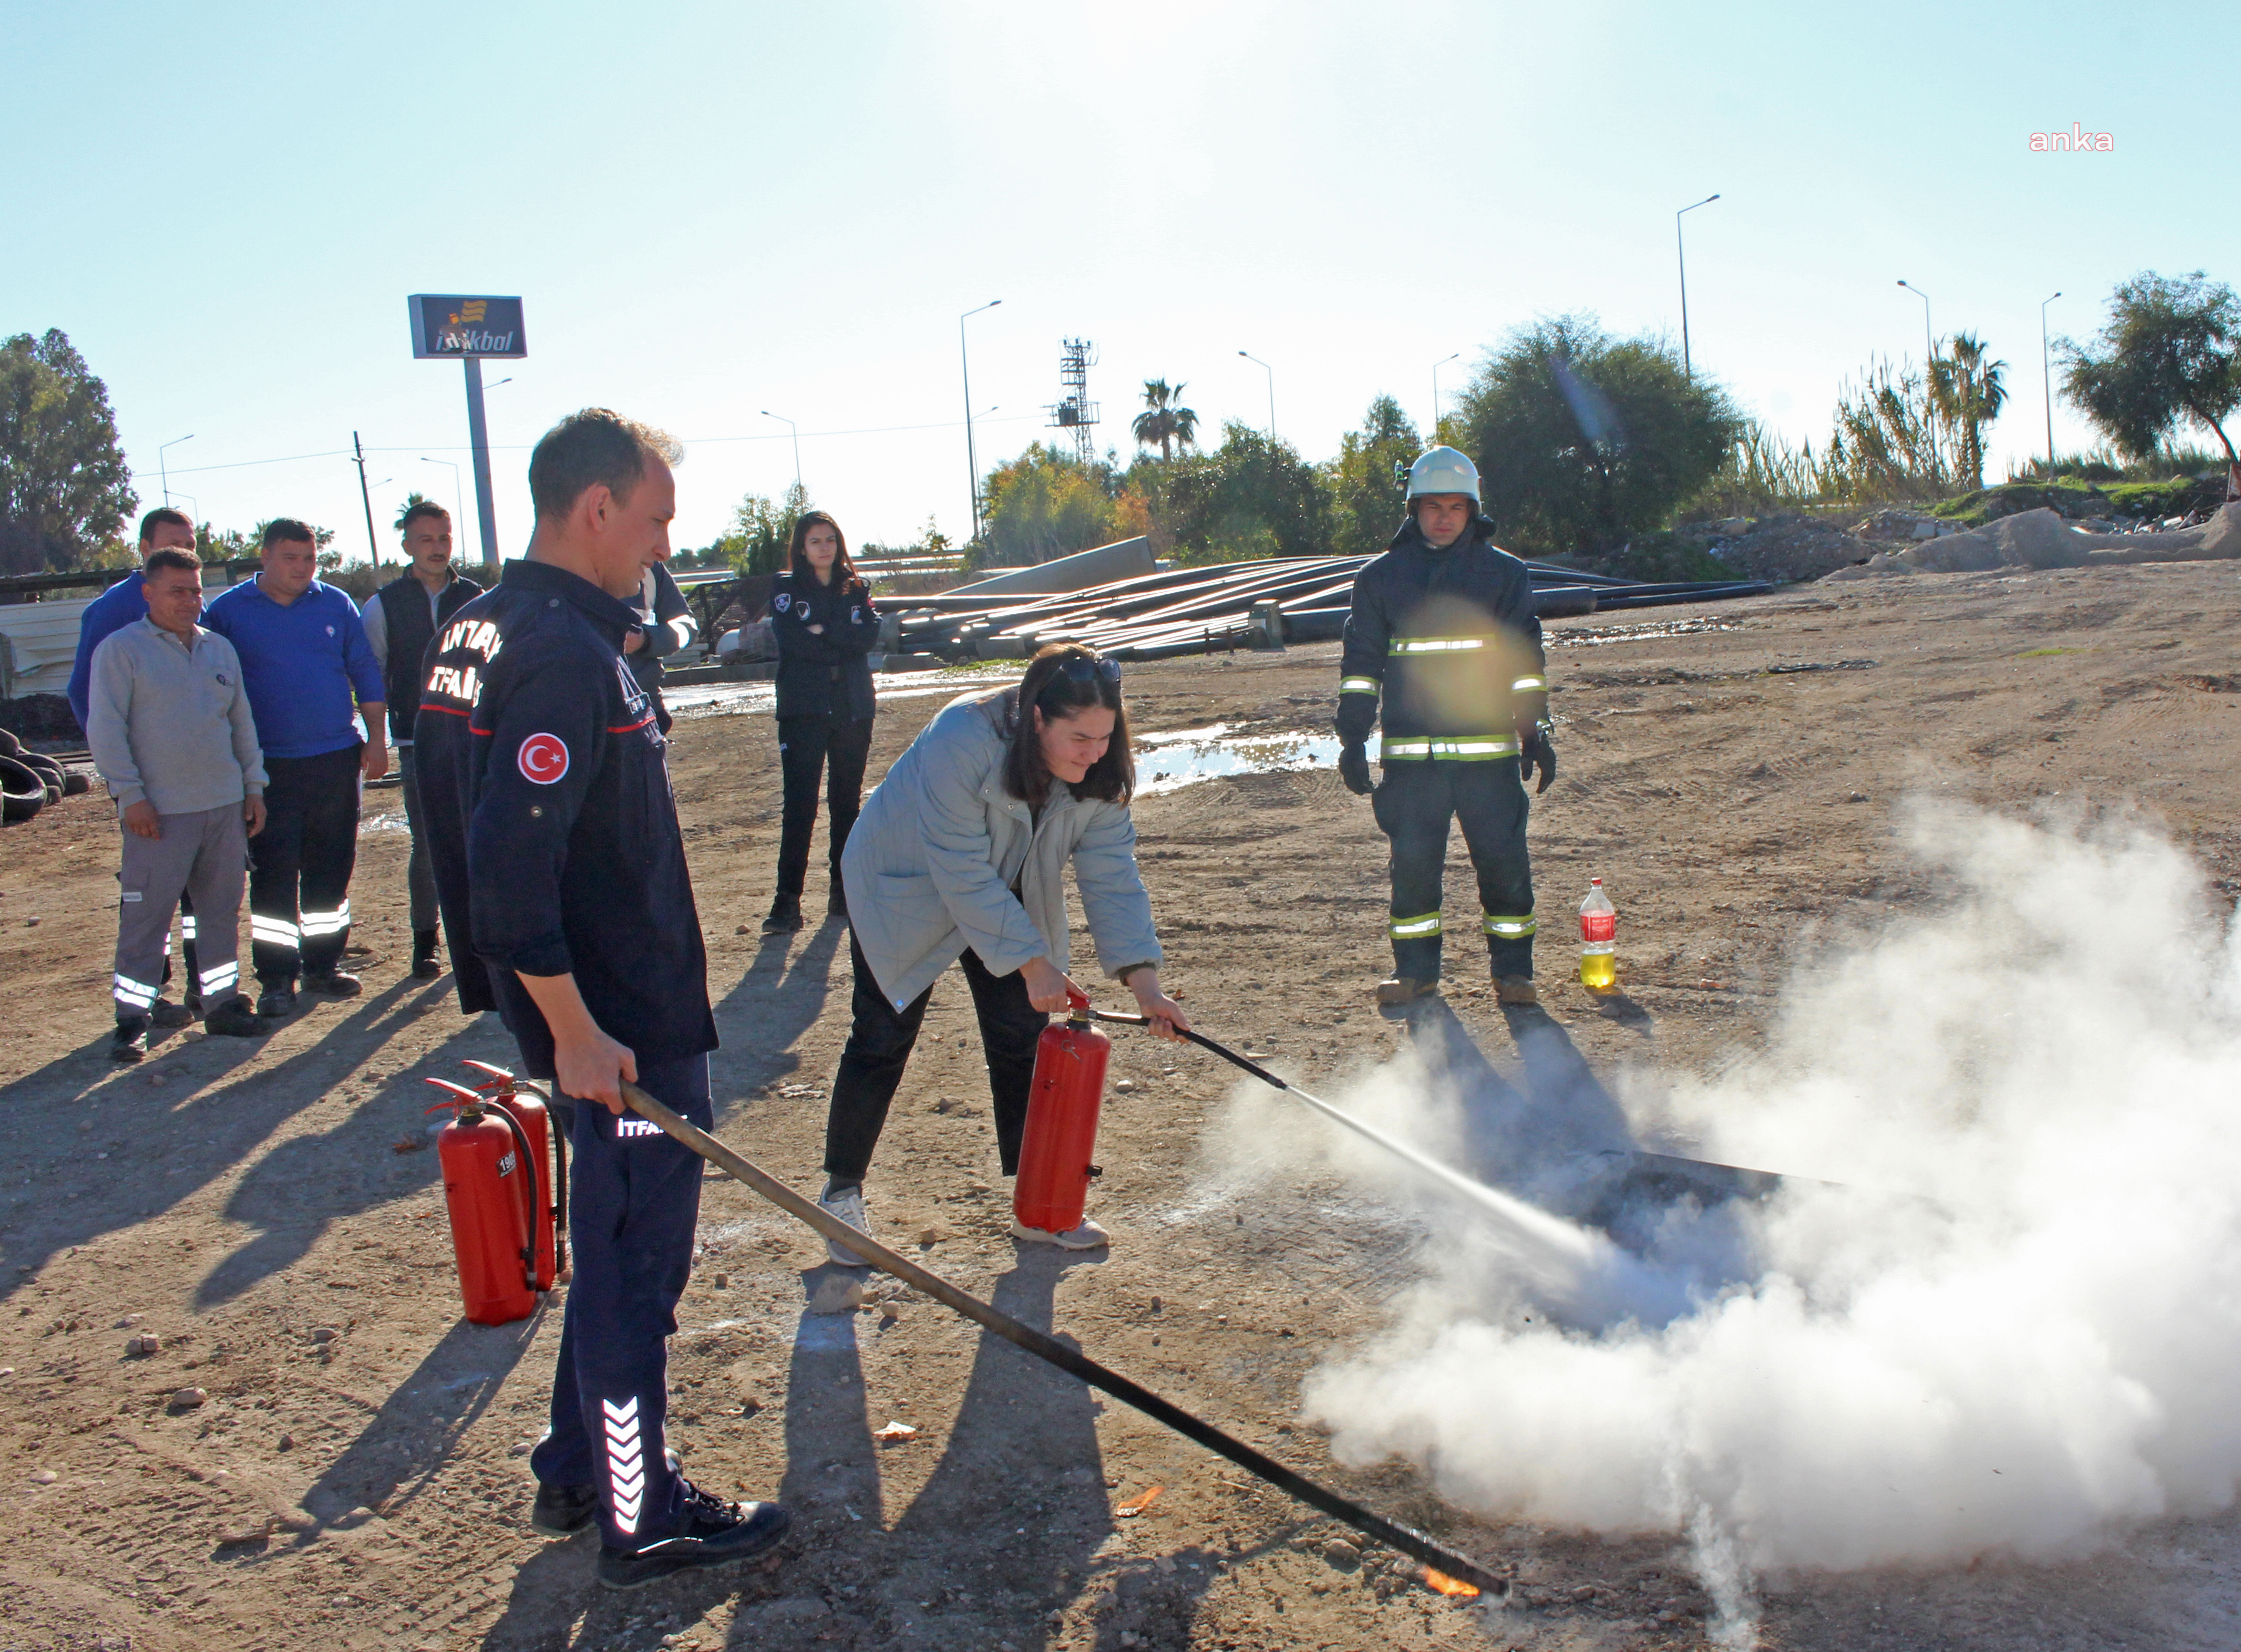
<point>1968,389</point>
<point>1166,421</point>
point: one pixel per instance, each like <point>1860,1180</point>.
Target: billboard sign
<point>451,325</point>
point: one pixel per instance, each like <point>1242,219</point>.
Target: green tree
<point>1968,389</point>
<point>1584,440</point>
<point>760,534</point>
<point>2170,353</point>
<point>1046,504</point>
<point>1365,501</point>
<point>1165,421</point>
<point>1250,498</point>
<point>65,491</point>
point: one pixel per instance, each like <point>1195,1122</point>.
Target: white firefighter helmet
<point>1443,469</point>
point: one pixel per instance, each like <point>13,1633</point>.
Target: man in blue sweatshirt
<point>124,604</point>
<point>304,659</point>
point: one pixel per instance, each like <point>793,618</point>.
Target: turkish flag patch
<point>542,758</point>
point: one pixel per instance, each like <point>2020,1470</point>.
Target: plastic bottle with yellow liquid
<point>1598,940</point>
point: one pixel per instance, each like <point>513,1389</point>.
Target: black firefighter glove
<point>1353,769</point>
<point>1535,748</point>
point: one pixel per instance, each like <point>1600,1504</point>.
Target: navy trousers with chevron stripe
<point>633,1203</point>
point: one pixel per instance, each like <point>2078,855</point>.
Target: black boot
<point>836,902</point>
<point>784,916</point>
<point>424,955</point>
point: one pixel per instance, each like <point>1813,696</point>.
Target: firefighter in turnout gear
<point>1443,648</point>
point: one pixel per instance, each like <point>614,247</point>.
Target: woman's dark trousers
<point>880,1044</point>
<point>808,748</point>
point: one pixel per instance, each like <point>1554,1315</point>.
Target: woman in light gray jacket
<point>960,854</point>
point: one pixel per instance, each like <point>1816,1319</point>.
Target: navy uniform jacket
<point>823,673</point>
<point>1449,641</point>
<point>544,794</point>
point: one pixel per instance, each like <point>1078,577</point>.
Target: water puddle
<point>734,699</point>
<point>1181,757</point>
<point>1594,636</point>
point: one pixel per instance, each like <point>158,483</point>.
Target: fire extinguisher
<point>550,1188</point>
<point>1061,1138</point>
<point>490,1189</point>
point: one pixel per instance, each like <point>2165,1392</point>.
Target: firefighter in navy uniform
<point>568,909</point>
<point>1443,632</point>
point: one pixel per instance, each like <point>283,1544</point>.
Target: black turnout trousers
<point>879,1042</point>
<point>835,749</point>
<point>1414,802</point>
<point>300,866</point>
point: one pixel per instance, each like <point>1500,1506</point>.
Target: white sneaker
<point>848,1206</point>
<point>1089,1236</point>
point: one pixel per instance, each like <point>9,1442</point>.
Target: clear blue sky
<point>710,210</point>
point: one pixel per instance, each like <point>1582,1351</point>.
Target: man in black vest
<point>399,619</point>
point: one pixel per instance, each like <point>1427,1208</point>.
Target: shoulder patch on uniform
<point>542,758</point>
<point>781,602</point>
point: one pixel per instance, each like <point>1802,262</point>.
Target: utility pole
<point>1681,247</point>
<point>971,465</point>
<point>1928,364</point>
<point>2046,367</point>
<point>366,496</point>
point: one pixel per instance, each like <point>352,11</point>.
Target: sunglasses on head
<point>1083,671</point>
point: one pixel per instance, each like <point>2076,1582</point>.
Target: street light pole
<point>457,497</point>
<point>1681,247</point>
<point>1271,371</point>
<point>1436,365</point>
<point>2046,367</point>
<point>796,428</point>
<point>1928,347</point>
<point>971,465</point>
<point>164,471</point>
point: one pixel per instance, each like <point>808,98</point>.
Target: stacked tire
<point>30,780</point>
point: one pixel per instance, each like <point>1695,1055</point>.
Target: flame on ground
<point>1446,1585</point>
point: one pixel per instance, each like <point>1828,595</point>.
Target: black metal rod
<point>1406,1539</point>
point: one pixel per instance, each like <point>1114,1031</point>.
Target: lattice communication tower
<point>1076,412</point>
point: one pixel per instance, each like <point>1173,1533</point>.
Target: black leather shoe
<point>715,1534</point>
<point>332,983</point>
<point>425,963</point>
<point>836,904</point>
<point>784,916</point>
<point>130,1041</point>
<point>234,1018</point>
<point>163,1013</point>
<point>277,1003</point>
<point>562,1511</point>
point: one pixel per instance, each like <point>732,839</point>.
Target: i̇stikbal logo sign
<point>455,325</point>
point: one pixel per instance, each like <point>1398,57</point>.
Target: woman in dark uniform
<point>821,614</point>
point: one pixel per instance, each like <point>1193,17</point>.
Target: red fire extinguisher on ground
<point>496,1186</point>
<point>1060,1140</point>
<point>501,1088</point>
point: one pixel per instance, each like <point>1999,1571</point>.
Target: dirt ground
<point>353,1476</point>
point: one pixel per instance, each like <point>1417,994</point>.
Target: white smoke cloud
<point>2009,1317</point>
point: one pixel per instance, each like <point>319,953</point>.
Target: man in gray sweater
<point>170,730</point>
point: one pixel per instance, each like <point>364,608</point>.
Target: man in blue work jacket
<point>568,908</point>
<point>124,604</point>
<point>316,687</point>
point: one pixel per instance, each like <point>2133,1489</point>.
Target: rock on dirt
<point>2042,540</point>
<point>1791,545</point>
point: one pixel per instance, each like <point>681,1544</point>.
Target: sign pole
<point>478,436</point>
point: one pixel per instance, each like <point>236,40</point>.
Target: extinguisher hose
<point>1475,1191</point>
<point>1406,1539</point>
<point>535,1173</point>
